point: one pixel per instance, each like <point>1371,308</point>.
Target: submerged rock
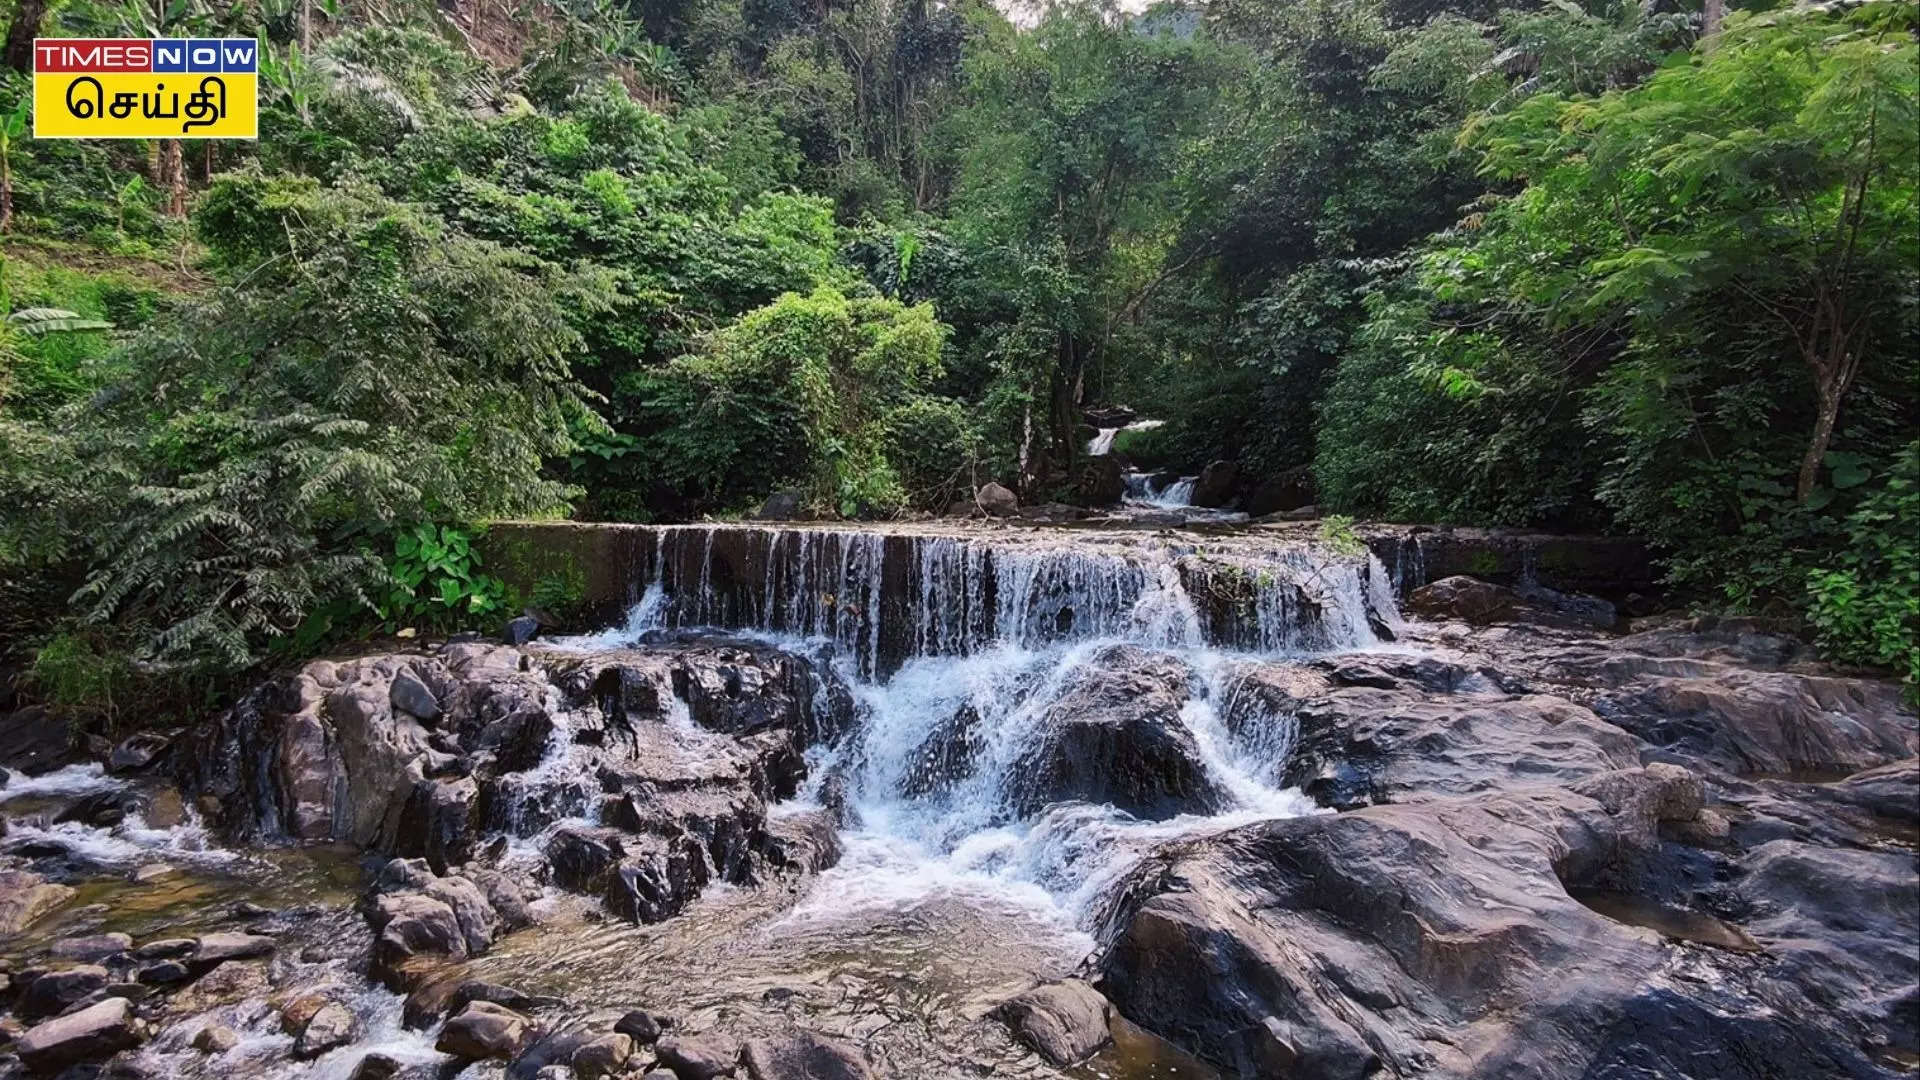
<point>803,1055</point>
<point>25,897</point>
<point>1064,1022</point>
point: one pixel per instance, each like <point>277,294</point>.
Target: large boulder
<point>1464,598</point>
<point>1115,735</point>
<point>1438,939</point>
<point>1216,484</point>
<point>1768,722</point>
<point>90,1034</point>
<point>1065,1022</point>
<point>1100,481</point>
<point>996,500</point>
<point>698,1057</point>
<point>417,913</point>
<point>1288,490</point>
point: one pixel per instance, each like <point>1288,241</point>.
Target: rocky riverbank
<point>1500,840</point>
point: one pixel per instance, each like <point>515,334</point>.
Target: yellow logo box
<point>146,88</point>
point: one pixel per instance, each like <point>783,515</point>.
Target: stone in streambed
<point>90,1034</point>
<point>375,1067</point>
<point>644,1027</point>
<point>54,991</point>
<point>91,946</point>
<point>521,630</point>
<point>1064,1022</point>
<point>605,1055</point>
<point>215,949</point>
<point>802,1055</point>
<point>330,1027</point>
<point>163,973</point>
<point>215,1039</point>
<point>25,897</point>
<point>411,695</point>
<point>483,1031</point>
<point>698,1057</point>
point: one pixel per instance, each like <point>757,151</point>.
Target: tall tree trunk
<point>1711,17</point>
<point>306,27</point>
<point>26,24</point>
<point>6,193</point>
<point>173,165</point>
<point>1823,424</point>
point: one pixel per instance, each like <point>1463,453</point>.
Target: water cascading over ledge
<point>886,595</point>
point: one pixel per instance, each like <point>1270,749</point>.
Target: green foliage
<point>1865,606</point>
<point>807,391</point>
<point>1336,531</point>
<point>71,670</point>
<point>437,580</point>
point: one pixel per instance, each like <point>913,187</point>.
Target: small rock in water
<point>701,1057</point>
<point>375,1067</point>
<point>165,949</point>
<point>247,909</point>
<point>604,1056</point>
<point>521,630</point>
<point>219,948</point>
<point>95,1032</point>
<point>642,1026</point>
<point>137,752</point>
<point>54,991</point>
<point>164,973</point>
<point>802,1055</point>
<point>152,872</point>
<point>216,1039</point>
<point>91,947</point>
<point>484,1030</point>
<point>329,1028</point>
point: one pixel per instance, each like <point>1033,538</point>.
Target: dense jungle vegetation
<point>1620,265</point>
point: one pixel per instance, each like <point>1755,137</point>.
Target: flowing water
<point>964,878</point>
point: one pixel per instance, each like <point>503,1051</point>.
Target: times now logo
<point>145,56</point>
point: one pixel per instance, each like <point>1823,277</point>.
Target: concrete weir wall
<point>603,569</point>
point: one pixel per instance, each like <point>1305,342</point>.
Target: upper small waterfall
<point>887,595</point>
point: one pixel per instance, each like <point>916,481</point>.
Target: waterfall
<point>1032,712</point>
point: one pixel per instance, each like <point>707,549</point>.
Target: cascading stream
<point>1030,717</point>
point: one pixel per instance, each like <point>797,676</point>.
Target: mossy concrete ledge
<point>588,574</point>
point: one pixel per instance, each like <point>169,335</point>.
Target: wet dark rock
<point>1216,483</point>
<point>416,913</point>
<point>803,1055</point>
<point>1289,490</point>
<point>997,501</point>
<point>413,696</point>
<point>644,1027</point>
<point>1362,745</point>
<point>91,1034</point>
<point>375,1067</point>
<point>1755,722</point>
<point>330,1027</point>
<point>482,1031</point>
<point>137,752</point>
<point>1064,1022</point>
<point>102,809</point>
<point>215,1039</point>
<point>33,743</point>
<point>54,991</point>
<point>1465,598</point>
<point>1268,949</point>
<point>1100,481</point>
<point>164,973</point>
<point>25,897</point>
<point>781,506</point>
<point>699,1057</point>
<point>520,630</point>
<point>1116,738</point>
